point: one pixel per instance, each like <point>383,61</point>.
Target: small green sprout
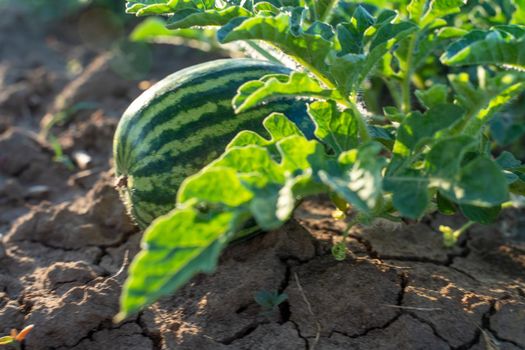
<point>339,251</point>
<point>60,157</point>
<point>15,338</point>
<point>269,301</point>
<point>451,236</point>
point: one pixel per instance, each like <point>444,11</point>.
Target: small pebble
<point>82,159</point>
<point>37,191</point>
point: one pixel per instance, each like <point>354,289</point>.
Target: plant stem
<point>262,51</point>
<point>327,15</point>
<point>466,226</point>
<point>405,87</point>
<point>394,92</point>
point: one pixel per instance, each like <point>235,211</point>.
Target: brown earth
<point>66,235</point>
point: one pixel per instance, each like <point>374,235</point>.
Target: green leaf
<point>360,184</point>
<point>6,340</point>
<point>417,129</point>
<point>480,214</point>
<point>215,185</point>
<point>389,32</point>
<point>410,193</point>
<point>277,125</point>
<point>507,161</point>
<point>393,114</point>
<point>514,171</point>
<point>444,205</point>
<point>469,97</point>
<point>481,103</point>
<point>434,96</point>
<point>518,186</point>
<point>336,128</point>
<point>264,205</point>
<point>206,18</point>
<point>480,182</point>
<point>254,93</point>
<point>154,30</point>
<point>265,6</point>
<point>133,6</point>
<point>451,32</point>
<point>270,300</point>
<point>416,9</point>
<point>443,161</point>
<point>349,70</point>
<point>294,189</point>
<point>149,29</point>
<point>156,9</point>
<point>310,48</point>
<point>441,8</point>
<point>519,14</point>
<point>491,47</point>
<point>251,159</point>
<point>175,248</point>
<point>428,13</point>
<point>506,131</point>
<point>351,35</point>
<point>163,7</point>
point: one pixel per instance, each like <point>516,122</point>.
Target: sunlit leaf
<point>206,18</point>
<point>434,96</point>
<point>175,248</point>
<point>410,193</point>
<point>487,47</point>
<point>361,183</point>
<point>310,48</point>
<point>337,128</point>
<point>298,84</point>
<point>418,128</point>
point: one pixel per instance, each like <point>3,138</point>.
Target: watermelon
<point>181,124</point>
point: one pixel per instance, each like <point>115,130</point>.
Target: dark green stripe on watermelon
<point>182,123</point>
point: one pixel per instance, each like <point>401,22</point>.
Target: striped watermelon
<point>182,123</point>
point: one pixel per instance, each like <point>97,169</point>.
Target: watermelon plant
<point>402,94</point>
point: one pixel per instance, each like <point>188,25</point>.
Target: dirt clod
<point>508,321</point>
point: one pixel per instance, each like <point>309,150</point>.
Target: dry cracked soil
<point>65,236</point>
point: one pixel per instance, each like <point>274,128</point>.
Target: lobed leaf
<point>434,96</point>
<point>195,18</point>
<point>309,47</point>
<point>360,181</point>
<point>410,192</point>
<point>175,248</point>
<point>418,129</point>
<point>502,46</point>
<point>271,87</point>
<point>337,128</point>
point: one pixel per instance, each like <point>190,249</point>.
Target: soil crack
<point>284,308</point>
<point>403,283</point>
<point>434,330</point>
<point>246,331</point>
<point>368,330</point>
<point>305,339</point>
<point>155,337</point>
